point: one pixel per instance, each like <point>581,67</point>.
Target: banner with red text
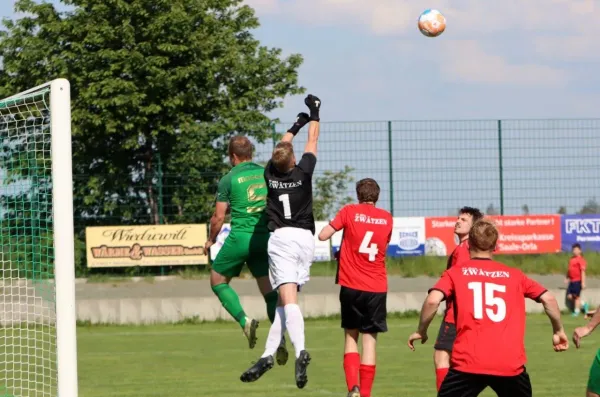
<point>519,234</point>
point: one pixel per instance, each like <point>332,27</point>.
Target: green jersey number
<point>253,197</point>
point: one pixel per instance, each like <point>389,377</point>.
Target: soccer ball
<point>435,247</point>
<point>432,23</point>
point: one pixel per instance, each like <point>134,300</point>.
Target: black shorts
<point>574,289</point>
<point>446,337</point>
<point>362,310</point>
<point>462,384</point>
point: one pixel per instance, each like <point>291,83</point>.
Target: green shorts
<point>242,248</point>
<point>594,380</point>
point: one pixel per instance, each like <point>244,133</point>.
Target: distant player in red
<point>576,278</point>
<point>467,216</point>
<point>363,281</point>
<point>490,321</point>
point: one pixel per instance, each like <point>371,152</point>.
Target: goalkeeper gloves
<point>314,104</point>
<point>301,120</point>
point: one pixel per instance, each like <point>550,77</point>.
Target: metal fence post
<point>390,166</point>
<point>500,167</point>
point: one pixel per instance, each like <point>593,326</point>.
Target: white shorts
<point>291,251</point>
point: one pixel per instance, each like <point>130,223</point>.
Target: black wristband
<point>314,115</point>
<point>294,129</point>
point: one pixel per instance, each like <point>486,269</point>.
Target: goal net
<point>37,302</point>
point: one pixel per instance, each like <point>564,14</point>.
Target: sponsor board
<point>408,237</point>
<point>150,245</point>
<point>581,229</point>
<point>519,234</point>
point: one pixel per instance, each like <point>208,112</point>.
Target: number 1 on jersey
<point>365,248</point>
<point>287,210</point>
<point>490,300</point>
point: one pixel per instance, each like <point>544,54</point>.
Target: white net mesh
<point>27,304</point>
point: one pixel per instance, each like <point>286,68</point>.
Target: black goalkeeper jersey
<point>289,197</point>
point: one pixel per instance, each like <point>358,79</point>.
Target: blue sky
<point>497,59</point>
<point>506,59</point>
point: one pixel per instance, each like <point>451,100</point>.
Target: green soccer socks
<point>231,302</point>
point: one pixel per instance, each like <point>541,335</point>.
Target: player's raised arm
<point>301,120</point>
<point>314,105</point>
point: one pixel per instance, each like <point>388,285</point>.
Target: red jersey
<point>490,316</point>
<point>367,233</point>
<point>459,256</point>
<point>576,265</point>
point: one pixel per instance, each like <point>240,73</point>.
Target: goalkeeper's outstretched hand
<point>314,105</point>
<point>301,120</point>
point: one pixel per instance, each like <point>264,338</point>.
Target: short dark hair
<point>367,190</point>
<point>241,147</point>
<point>474,212</point>
<point>576,245</point>
<point>483,236</point>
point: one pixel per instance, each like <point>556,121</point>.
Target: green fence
<point>429,168</point>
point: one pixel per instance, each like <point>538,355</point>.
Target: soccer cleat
<point>250,331</point>
<point>355,392</point>
<point>258,369</point>
<point>301,364</point>
<point>282,353</point>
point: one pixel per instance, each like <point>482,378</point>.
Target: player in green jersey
<point>593,386</point>
<point>244,192</point>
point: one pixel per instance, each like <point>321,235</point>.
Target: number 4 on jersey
<point>365,248</point>
<point>490,300</point>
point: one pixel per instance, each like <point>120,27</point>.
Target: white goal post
<point>37,302</point>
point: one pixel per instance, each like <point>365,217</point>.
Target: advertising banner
<point>408,237</point>
<point>582,229</point>
<point>519,234</point>
<point>322,250</point>
<point>151,245</point>
<point>528,234</point>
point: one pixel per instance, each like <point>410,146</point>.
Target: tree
<point>562,210</point>
<point>157,87</point>
<point>331,193</point>
<point>590,207</point>
<point>525,209</point>
<point>491,210</point>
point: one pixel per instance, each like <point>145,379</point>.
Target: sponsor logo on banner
<point>152,245</point>
<point>408,237</point>
<point>519,234</point>
<point>528,234</point>
<point>582,229</point>
<point>322,249</point>
<point>440,239</point>
<point>216,247</point>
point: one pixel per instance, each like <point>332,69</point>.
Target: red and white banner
<point>528,234</point>
<point>519,234</point>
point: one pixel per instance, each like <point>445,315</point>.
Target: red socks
<point>440,374</point>
<point>367,376</point>
<point>351,368</point>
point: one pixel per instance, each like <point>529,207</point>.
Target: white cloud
<point>466,61</point>
<point>532,29</point>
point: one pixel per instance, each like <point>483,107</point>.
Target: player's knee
<point>216,279</point>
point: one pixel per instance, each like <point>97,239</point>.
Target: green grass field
<point>207,360</point>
